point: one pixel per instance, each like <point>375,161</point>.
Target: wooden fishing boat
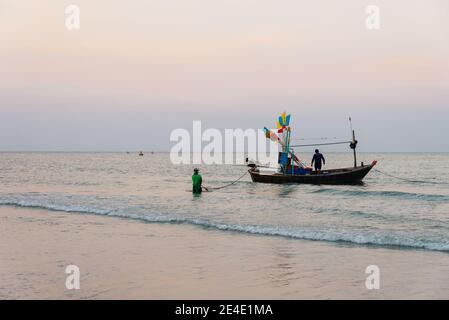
<point>334,176</point>
<point>293,170</point>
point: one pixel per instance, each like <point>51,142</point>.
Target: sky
<point>138,69</point>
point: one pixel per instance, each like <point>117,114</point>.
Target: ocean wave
<point>389,239</point>
<point>394,194</point>
<point>54,207</point>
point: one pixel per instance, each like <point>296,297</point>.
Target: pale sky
<point>135,70</point>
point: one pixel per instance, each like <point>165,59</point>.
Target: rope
<point>319,144</point>
<point>403,179</point>
<point>312,139</point>
<point>227,185</point>
<point>384,173</point>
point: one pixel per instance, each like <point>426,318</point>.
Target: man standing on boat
<point>197,182</point>
<point>317,158</point>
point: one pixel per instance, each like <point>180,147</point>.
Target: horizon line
<point>156,151</point>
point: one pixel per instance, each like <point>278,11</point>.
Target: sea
<point>404,204</point>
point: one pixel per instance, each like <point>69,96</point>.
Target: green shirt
<point>197,180</point>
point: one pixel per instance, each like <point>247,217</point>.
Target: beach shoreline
<point>125,259</point>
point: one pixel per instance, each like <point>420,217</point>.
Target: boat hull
<point>335,176</point>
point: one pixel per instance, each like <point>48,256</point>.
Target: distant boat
<point>253,164</point>
<point>141,153</point>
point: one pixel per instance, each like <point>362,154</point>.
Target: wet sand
<point>126,259</point>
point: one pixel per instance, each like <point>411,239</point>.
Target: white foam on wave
<point>361,238</point>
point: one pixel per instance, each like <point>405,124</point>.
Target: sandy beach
<point>125,259</point>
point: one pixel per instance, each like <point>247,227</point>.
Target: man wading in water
<point>197,182</point>
<point>317,158</point>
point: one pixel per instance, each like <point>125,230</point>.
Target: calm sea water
<point>382,212</point>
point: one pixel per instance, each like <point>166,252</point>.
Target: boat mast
<point>353,144</point>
